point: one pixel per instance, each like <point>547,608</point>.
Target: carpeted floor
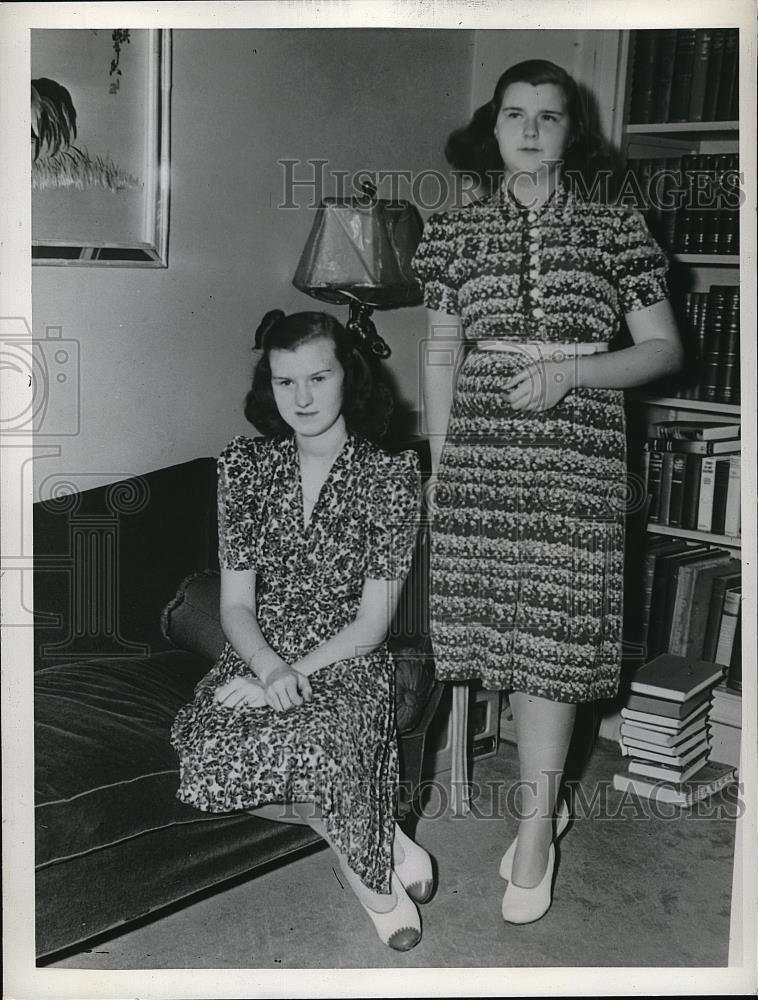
<point>632,889</point>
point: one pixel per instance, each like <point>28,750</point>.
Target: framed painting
<point>100,138</point>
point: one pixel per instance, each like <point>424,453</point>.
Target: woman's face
<point>532,128</point>
<point>307,384</point>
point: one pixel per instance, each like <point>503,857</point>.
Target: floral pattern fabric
<point>340,750</point>
<point>528,520</point>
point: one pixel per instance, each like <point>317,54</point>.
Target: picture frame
<point>101,104</point>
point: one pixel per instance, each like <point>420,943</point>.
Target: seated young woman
<point>296,720</point>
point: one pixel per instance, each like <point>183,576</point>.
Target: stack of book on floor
<point>664,732</point>
<point>694,475</point>
<point>691,601</point>
<point>685,75</point>
<point>725,725</point>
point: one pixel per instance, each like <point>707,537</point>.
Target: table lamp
<point>359,253</point>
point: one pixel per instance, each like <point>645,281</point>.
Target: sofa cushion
<point>191,621</point>
<point>105,770</point>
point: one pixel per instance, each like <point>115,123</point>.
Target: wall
<point>165,354</point>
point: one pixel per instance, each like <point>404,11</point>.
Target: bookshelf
<point>652,146</point>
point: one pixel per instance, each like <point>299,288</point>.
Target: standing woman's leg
<point>543,731</point>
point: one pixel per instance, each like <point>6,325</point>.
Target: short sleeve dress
<point>339,750</point>
<point>528,518</point>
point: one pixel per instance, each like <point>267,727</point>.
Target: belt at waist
<point>541,351</point>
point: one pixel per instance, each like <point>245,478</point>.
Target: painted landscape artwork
<point>99,145</point>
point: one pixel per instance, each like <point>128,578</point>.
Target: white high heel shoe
<point>524,906</point>
<point>415,870</point>
<point>561,822</point>
<point>400,927</point>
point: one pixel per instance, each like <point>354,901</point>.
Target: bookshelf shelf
<point>725,541</point>
<point>697,405</point>
<point>687,130</point>
<point>708,259</point>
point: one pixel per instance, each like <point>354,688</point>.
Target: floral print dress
<point>338,751</point>
<point>528,518</point>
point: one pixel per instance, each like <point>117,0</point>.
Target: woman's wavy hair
<point>473,149</point>
<point>367,401</point>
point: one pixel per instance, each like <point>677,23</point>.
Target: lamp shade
<point>363,248</point>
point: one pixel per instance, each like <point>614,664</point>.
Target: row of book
<point>691,203</point>
<point>685,75</point>
<point>692,604</point>
<point>665,732</point>
<point>693,473</point>
<point>710,326</point>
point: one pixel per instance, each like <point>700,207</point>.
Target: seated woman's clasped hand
<point>282,689</point>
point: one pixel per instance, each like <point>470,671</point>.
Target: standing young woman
<point>316,530</point>
<point>528,440</point>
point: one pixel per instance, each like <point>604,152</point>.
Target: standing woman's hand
<point>541,385</point>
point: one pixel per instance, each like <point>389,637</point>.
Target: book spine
<point>664,75</point>
<point>728,628</point>
<point>714,328</point>
<point>729,76</point>
<point>676,499</point>
<point>714,75</point>
<point>701,332</point>
<point>647,591</point>
<point>728,377</point>
<point>643,77</point>
<point>720,490</point>
<point>732,511</point>
<point>654,472</point>
<point>713,628</point>
<point>680,615</point>
<point>734,672</point>
<point>667,473</point>
<point>705,499</point>
<point>684,59</point>
<point>703,42</point>
<point>691,491</point>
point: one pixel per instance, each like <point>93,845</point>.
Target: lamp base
<point>362,327</point>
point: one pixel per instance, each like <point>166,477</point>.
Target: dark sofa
<point>121,573</point>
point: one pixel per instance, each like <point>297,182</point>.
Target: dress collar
<point>557,201</point>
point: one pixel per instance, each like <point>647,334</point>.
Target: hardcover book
<point>669,709</point>
<point>665,723</point>
<point>647,735</point>
<point>675,678</point>
<point>694,430</point>
<point>721,584</point>
<point>674,774</point>
<point>708,781</point>
<point>674,756</point>
<point>683,601</point>
<point>701,603</point>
